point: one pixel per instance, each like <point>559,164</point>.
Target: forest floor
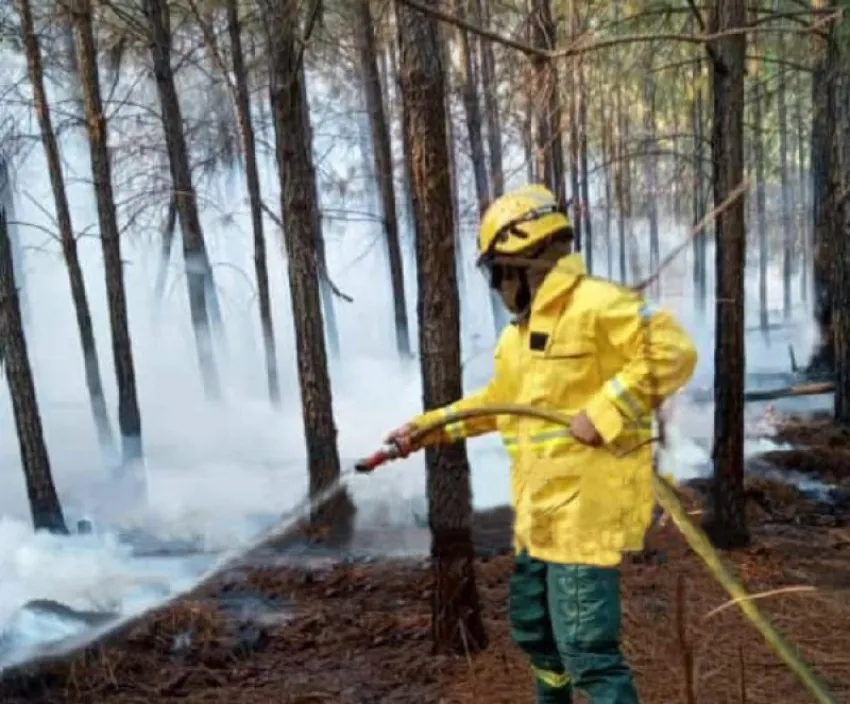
<point>359,633</point>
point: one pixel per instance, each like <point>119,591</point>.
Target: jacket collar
<point>563,277</point>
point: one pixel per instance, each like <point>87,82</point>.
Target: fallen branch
<point>813,389</point>
<point>710,217</point>
<point>824,387</point>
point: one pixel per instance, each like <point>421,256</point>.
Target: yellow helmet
<point>519,220</point>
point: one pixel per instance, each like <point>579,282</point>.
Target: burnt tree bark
<point>302,233</point>
<point>838,72</point>
<point>129,416</point>
<point>67,238</point>
<point>456,613</point>
<point>44,501</point>
<point>726,522</point>
<point>823,358</point>
<point>199,278</point>
<point>383,164</point>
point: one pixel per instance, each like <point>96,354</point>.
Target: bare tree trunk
<point>166,244</point>
<point>726,523</point>
<point>802,190</point>
<point>472,110</point>
<point>199,277</point>
<point>573,98</point>
<point>785,186</point>
<point>453,167</point>
<point>44,501</point>
<point>129,416</point>
<point>761,205</point>
<point>7,204</point>
<point>242,99</point>
<point>701,240</point>
<point>66,231</point>
<point>325,288</point>
<point>607,158</point>
<point>622,163</point>
<point>481,15</point>
<point>837,69</point>
<point>823,358</point>
<point>382,148</point>
<point>302,236</point>
<point>651,170</point>
<point>456,613</point>
<point>550,150</point>
<point>582,98</point>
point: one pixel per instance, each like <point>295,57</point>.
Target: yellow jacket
<point>591,345</point>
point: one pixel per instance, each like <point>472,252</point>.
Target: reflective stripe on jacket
<point>591,345</point>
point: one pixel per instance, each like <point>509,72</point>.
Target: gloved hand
<point>402,438</point>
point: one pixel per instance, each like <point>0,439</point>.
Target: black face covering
<point>514,289</point>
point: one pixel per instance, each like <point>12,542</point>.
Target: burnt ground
<point>359,633</point>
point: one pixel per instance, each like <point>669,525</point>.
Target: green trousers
<point>567,619</point>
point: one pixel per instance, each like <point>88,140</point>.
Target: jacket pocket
<point>568,373</point>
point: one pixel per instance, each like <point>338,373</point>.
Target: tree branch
<point>584,45</point>
<point>321,268</point>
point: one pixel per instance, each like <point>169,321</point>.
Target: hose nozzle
<point>389,452</point>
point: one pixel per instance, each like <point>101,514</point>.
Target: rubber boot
<point>547,694</point>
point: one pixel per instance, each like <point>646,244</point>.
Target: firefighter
<point>599,353</point>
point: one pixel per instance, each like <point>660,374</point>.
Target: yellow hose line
<point>695,537</point>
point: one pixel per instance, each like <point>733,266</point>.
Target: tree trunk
<point>453,167</point>
<point>837,125</point>
<point>726,524</point>
<point>699,197</point>
<point>607,159</point>
<point>7,204</point>
<point>199,278</point>
<point>586,209</point>
<point>573,112</point>
<point>481,15</point>
<point>129,416</point>
<point>325,288</point>
<point>802,191</point>
<point>67,238</point>
<point>761,205</point>
<point>242,99</point>
<point>44,501</point>
<point>302,234</point>
<point>823,358</point>
<point>457,625</point>
<point>166,244</point>
<point>651,170</point>
<point>472,111</point>
<point>382,148</point>
<point>550,151</point>
<point>785,185</point>
<point>620,149</point>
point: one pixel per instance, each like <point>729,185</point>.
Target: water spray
<point>666,497</point>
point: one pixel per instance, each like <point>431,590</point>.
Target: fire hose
<point>666,497</point>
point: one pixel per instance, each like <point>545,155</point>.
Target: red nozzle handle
<point>376,459</point>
